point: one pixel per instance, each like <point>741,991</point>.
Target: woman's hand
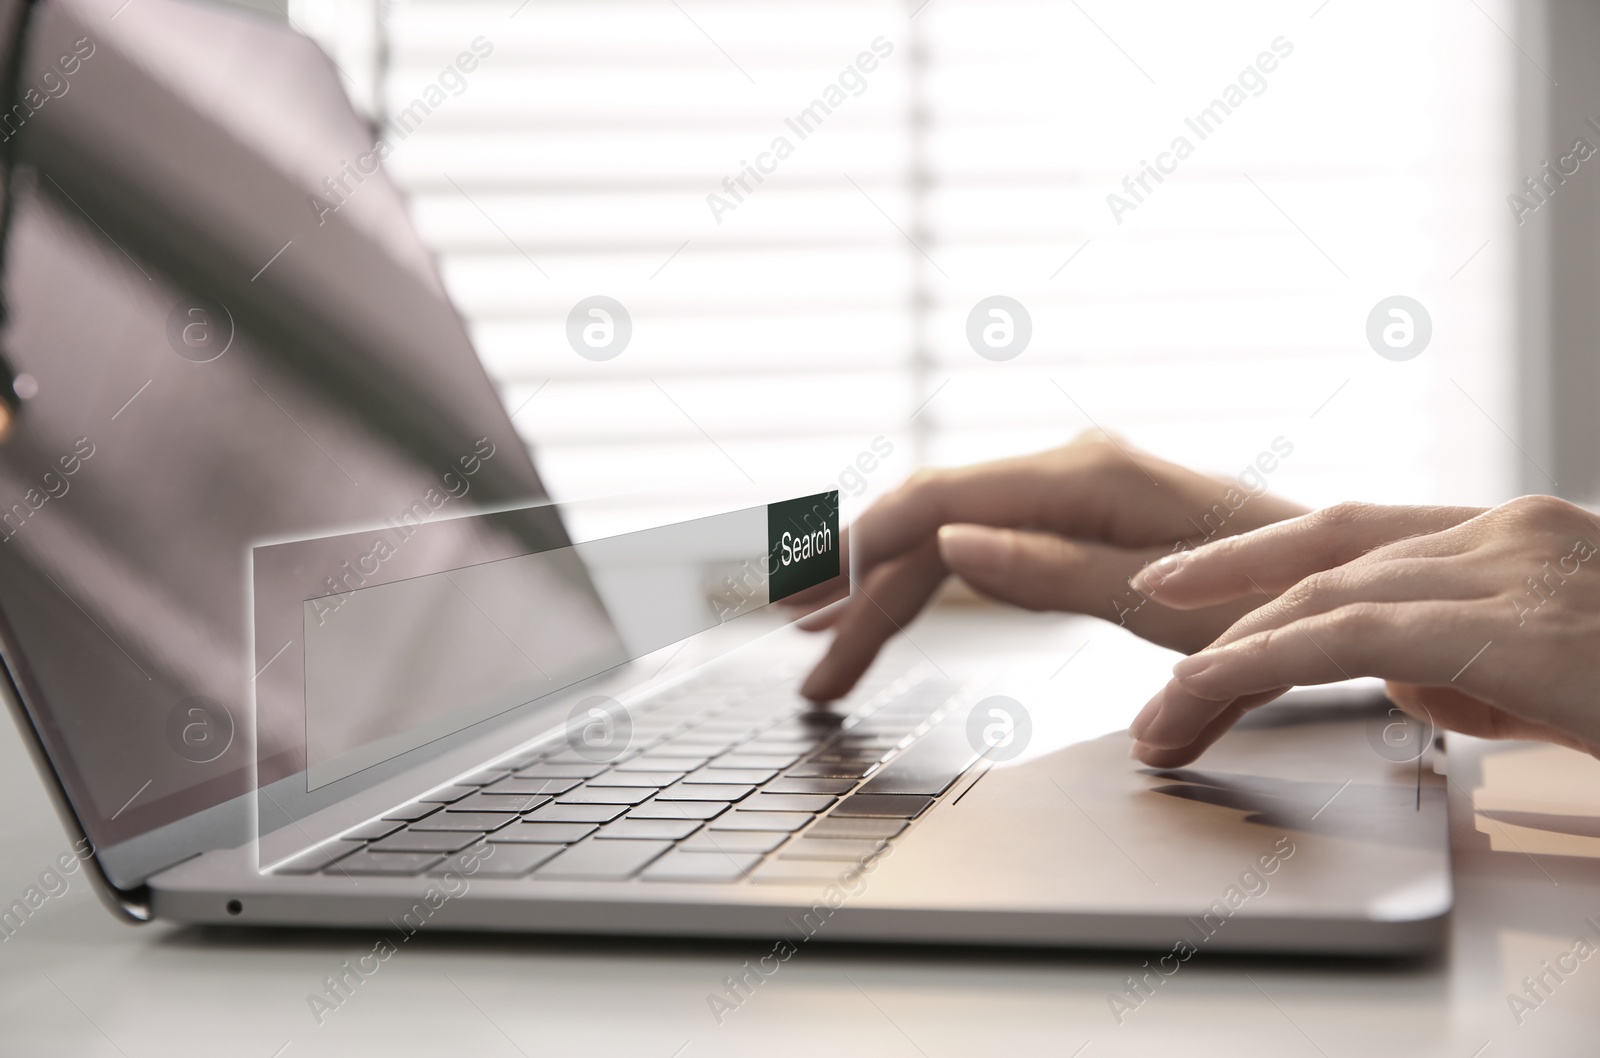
<point>1485,622</point>
<point>1060,530</point>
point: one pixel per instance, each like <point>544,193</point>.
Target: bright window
<point>962,150</point>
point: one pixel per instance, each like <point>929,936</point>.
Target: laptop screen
<point>202,360</point>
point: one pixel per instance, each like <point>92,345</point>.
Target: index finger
<point>1099,491</point>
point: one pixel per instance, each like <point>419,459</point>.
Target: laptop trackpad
<point>1304,813</point>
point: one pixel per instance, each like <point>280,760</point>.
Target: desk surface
<point>75,981</point>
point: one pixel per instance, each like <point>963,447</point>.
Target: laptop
<point>214,374</point>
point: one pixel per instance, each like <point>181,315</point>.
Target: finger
<point>1271,559</point>
<point>1043,571</point>
<point>1176,717</point>
<point>878,608</point>
<point>1429,643</point>
<point>1007,493</point>
<point>817,596</point>
<point>1038,570</point>
<point>1407,579</point>
<point>825,617</point>
<point>1177,756</point>
<point>1098,490</point>
<point>1452,710</point>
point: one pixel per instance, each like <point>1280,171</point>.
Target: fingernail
<point>1146,717</point>
<point>1193,665</point>
<point>1152,576</point>
<point>815,681</point>
<point>975,548</point>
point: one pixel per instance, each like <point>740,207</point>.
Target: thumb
<point>1038,570</point>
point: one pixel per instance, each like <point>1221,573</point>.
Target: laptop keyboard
<point>724,780</point>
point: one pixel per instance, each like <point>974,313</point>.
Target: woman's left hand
<point>1484,621</point>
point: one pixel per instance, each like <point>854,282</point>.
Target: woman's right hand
<point>1059,530</point>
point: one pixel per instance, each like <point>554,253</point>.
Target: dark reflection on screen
<point>209,364</point>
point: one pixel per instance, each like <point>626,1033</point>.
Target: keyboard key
<point>876,740</point>
<point>687,751</point>
<point>580,770</point>
<point>828,770</point>
<point>658,718</point>
<point>654,780</point>
<point>733,841</point>
<point>810,724</point>
<point>886,806</point>
<point>448,795</point>
<point>704,792</point>
<point>897,719</point>
<point>737,820</point>
<point>775,802</point>
<point>486,801</point>
<point>412,812</point>
<point>602,860</point>
<point>740,777</point>
<point>649,762</point>
<point>709,742</point>
<point>854,850</point>
<point>577,813</point>
<point>547,787</point>
<point>750,776</point>
<point>650,829</point>
<point>484,777</point>
<point>636,747</point>
<point>785,741</point>
<point>612,754</point>
<point>790,751</point>
<point>606,795</point>
<point>888,735</point>
<point>737,729</point>
<point>699,867</point>
<point>440,841</point>
<point>545,833</point>
<point>679,810</point>
<point>788,785</point>
<point>763,762</point>
<point>786,735</point>
<point>465,862</point>
<point>400,863</point>
<point>475,822</point>
<point>316,859</point>
<point>372,831</point>
<point>522,760</point>
<point>836,827</point>
<point>928,766</point>
<point>513,861</point>
<point>846,755</point>
<point>801,872</point>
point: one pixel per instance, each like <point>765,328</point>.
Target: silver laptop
<point>223,392</point>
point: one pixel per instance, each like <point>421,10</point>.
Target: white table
<point>73,981</point>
